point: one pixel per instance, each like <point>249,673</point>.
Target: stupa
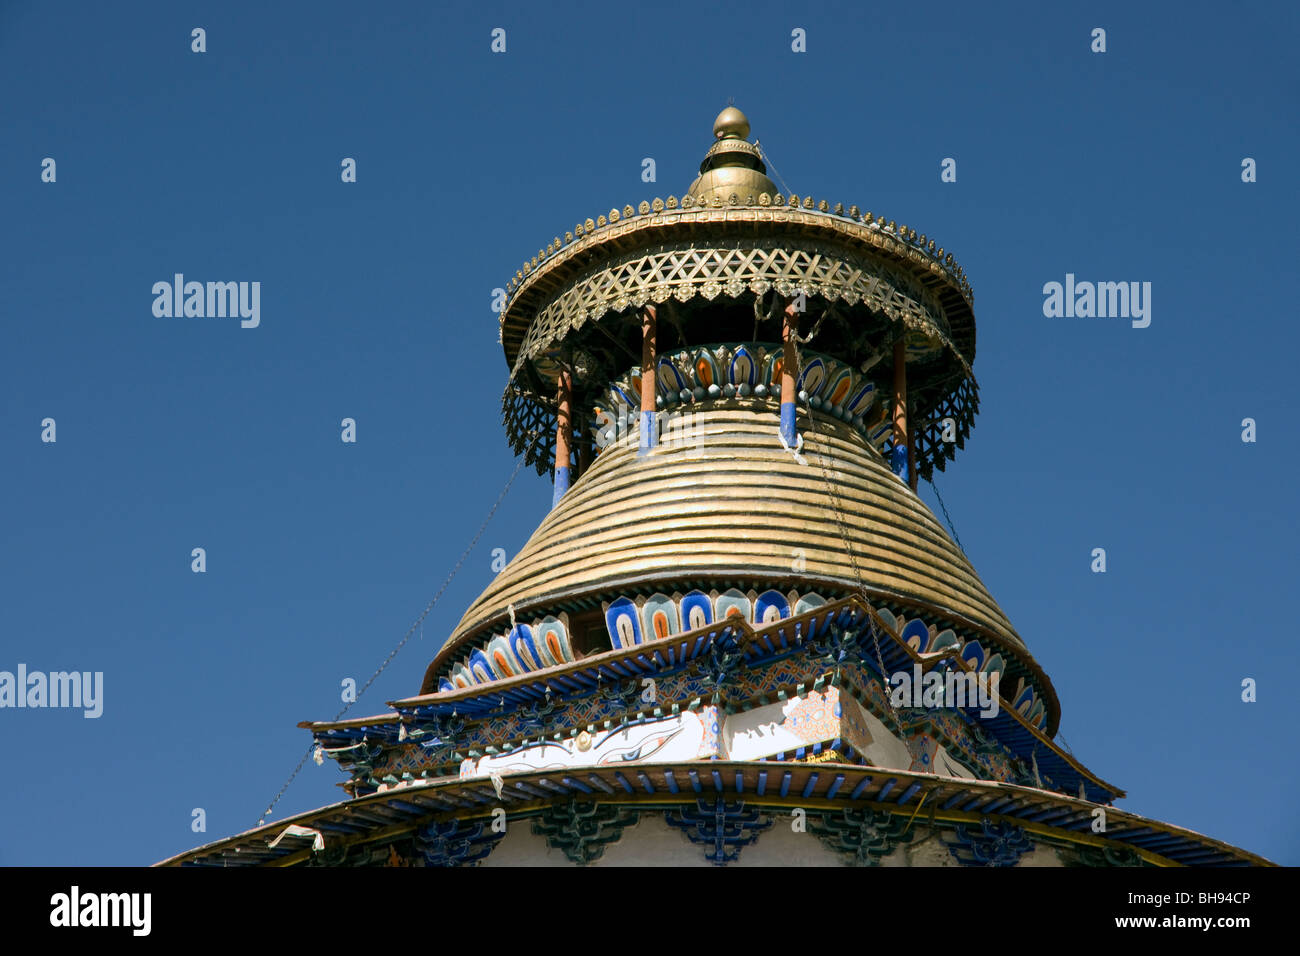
<point>739,637</point>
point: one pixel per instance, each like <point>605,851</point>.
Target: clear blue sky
<point>375,304</point>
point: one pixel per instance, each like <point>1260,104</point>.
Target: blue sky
<point>181,433</point>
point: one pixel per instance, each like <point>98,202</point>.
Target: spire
<point>732,165</point>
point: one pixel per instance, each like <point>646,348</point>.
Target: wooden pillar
<point>649,430</point>
<point>563,435</point>
<point>789,373</point>
<point>903,456</point>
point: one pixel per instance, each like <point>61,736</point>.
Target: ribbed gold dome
<point>735,507</point>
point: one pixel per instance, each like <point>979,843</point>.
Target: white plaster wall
<point>652,842</point>
<point>934,852</point>
<point>899,857</point>
<point>780,846</point>
<point>930,852</point>
<point>1042,855</point>
<point>885,750</point>
<point>520,847</point>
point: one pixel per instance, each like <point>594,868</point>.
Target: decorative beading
<point>862,226</point>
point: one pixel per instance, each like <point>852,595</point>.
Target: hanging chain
<point>844,537</point>
<point>419,622</point>
<point>946,517</point>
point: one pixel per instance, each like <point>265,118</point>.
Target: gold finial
<point>731,124</point>
<point>731,165</point>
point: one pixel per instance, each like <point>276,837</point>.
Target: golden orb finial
<point>731,124</point>
<point>732,164</point>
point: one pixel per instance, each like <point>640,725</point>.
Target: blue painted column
<point>789,374</point>
<point>563,435</point>
<point>649,431</point>
<point>898,459</point>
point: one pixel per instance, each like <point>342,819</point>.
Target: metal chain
<point>946,517</point>
<point>768,159</point>
<point>848,548</point>
<point>414,627</point>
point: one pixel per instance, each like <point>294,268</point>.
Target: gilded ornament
<point>731,124</point>
<point>682,269</point>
